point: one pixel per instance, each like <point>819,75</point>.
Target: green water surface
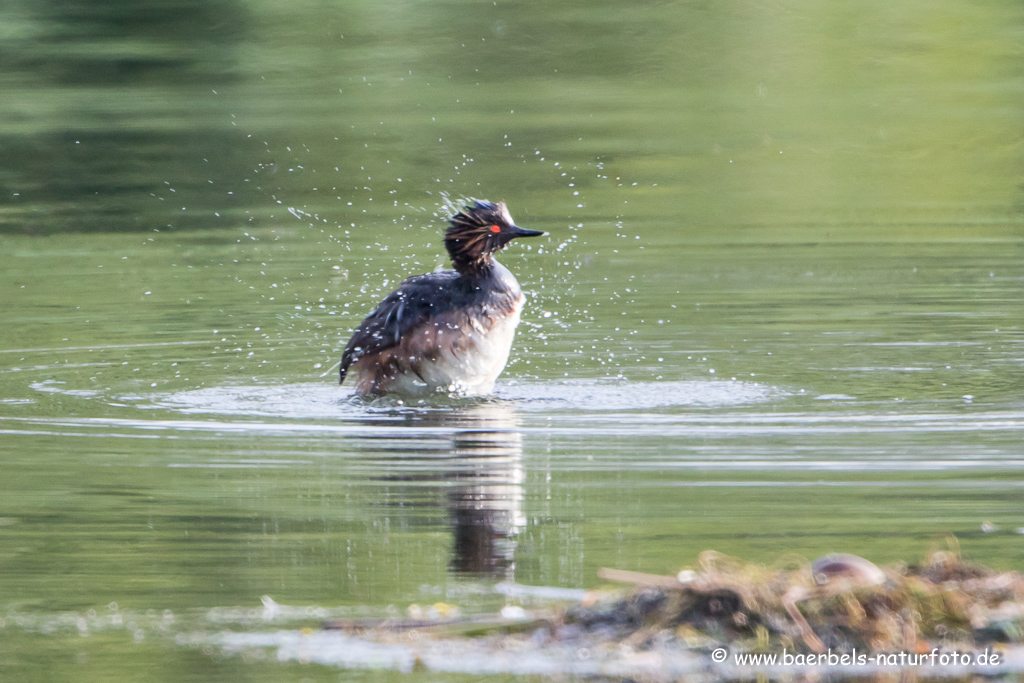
<point>779,308</point>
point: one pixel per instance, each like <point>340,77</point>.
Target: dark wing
<point>415,301</point>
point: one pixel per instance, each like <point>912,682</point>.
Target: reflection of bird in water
<point>449,331</point>
<point>486,502</point>
<point>483,481</point>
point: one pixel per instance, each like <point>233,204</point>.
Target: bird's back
<point>437,332</point>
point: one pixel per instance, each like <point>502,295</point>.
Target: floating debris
<point>838,603</point>
<point>698,620</point>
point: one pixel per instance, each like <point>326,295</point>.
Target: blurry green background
<point>767,120</point>
<point>778,310</point>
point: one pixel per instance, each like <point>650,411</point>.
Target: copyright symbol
<point>719,654</point>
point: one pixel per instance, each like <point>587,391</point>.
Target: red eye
<point>495,228</point>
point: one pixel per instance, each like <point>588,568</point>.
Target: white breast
<point>473,371</point>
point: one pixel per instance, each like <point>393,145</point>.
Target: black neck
<point>476,267</point>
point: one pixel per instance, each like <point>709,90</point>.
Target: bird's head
<point>478,231</point>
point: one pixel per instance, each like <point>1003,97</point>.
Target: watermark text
<point>854,658</point>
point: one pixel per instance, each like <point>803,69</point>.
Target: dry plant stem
<point>789,600</point>
<point>909,635</point>
<point>638,578</point>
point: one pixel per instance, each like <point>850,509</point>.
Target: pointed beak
<point>516,231</point>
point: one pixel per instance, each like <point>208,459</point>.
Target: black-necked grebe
<point>448,331</point>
